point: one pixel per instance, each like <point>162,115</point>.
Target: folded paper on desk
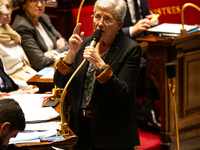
<point>45,71</point>
<point>48,75</point>
<point>31,106</point>
<point>170,28</point>
<point>35,131</point>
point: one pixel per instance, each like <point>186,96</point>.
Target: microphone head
<point>170,70</point>
<point>96,36</point>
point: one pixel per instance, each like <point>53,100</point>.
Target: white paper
<point>171,28</point>
<point>48,75</point>
<point>31,106</point>
<point>31,135</point>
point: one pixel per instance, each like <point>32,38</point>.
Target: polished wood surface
<point>66,144</point>
<point>184,51</point>
<point>44,85</point>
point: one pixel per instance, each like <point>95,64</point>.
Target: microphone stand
<point>63,126</point>
<point>171,82</point>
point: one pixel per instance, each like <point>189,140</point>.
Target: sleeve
<point>62,74</point>
<point>126,31</point>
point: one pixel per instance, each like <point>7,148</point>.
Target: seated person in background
<point>12,121</point>
<point>14,3</point>
<point>103,112</point>
<point>15,62</point>
<point>40,40</point>
<point>3,11</point>
<point>6,83</point>
<point>136,21</point>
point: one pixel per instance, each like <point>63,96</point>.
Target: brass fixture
<point>63,126</point>
<point>183,30</point>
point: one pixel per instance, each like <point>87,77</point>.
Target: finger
<point>149,16</point>
<point>77,29</point>
<point>82,35</point>
<point>75,41</point>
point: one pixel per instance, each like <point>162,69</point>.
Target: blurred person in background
<point>136,22</point>
<point>41,42</point>
<point>14,60</point>
<point>12,121</point>
<point>7,85</point>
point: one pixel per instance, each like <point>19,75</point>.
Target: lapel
<point>115,48</point>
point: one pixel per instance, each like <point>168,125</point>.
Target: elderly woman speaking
<point>103,112</point>
<point>40,40</point>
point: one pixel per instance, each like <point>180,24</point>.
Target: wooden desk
<point>45,85</point>
<point>66,144</point>
<point>184,51</point>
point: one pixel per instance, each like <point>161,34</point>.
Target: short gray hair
<point>118,7</point>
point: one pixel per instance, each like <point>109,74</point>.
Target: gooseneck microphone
<point>95,38</point>
<point>171,74</point>
<point>170,70</point>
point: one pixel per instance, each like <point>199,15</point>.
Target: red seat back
<point>85,19</point>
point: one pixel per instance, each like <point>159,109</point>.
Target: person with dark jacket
<point>103,112</point>
<point>136,22</point>
<point>41,42</point>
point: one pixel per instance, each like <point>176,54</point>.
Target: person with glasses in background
<point>41,42</point>
<point>14,66</point>
<point>3,11</point>
<point>14,60</point>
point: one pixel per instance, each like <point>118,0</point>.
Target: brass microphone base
<point>56,93</point>
<point>63,129</point>
<point>183,31</point>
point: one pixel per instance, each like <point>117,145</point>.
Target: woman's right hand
<point>75,43</point>
<point>76,40</point>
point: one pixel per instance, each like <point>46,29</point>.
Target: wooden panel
<point>191,83</point>
<point>184,51</point>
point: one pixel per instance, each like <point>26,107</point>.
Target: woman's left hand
<point>92,56</point>
<point>60,43</point>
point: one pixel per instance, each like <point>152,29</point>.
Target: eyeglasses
<point>105,20</point>
<point>35,2</point>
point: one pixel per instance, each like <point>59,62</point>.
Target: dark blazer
<point>33,43</point>
<point>127,20</point>
<point>114,118</point>
<point>6,84</point>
